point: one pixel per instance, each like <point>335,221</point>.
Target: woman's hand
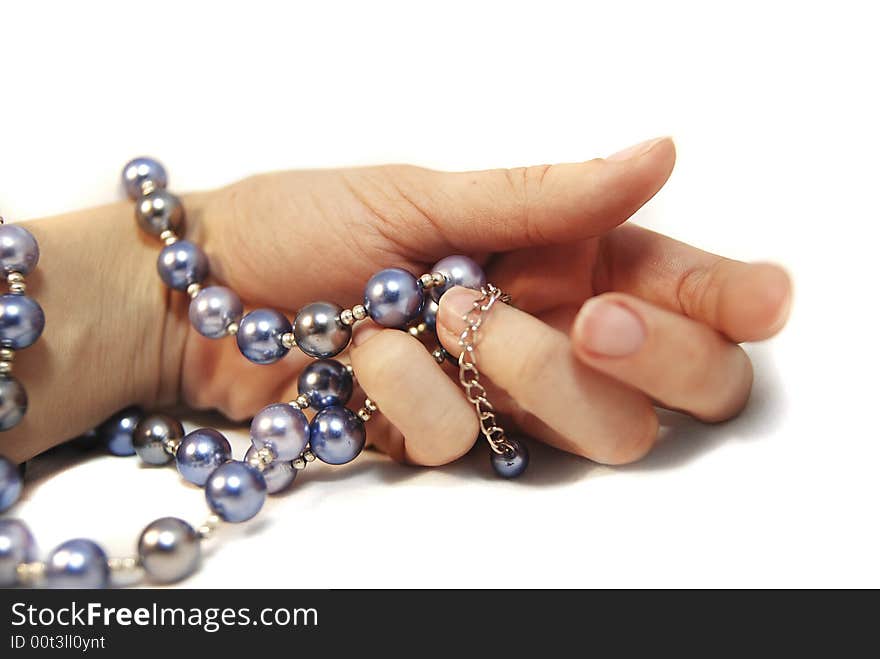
<point>609,318</point>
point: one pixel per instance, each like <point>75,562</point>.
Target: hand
<point>609,318</point>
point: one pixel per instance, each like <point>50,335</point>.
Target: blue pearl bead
<point>513,462</point>
<point>325,383</point>
<point>318,330</point>
<point>213,309</point>
<point>10,484</point>
<point>429,313</point>
<point>182,264</point>
<point>117,432</point>
<point>16,546</point>
<point>393,298</point>
<point>459,271</point>
<point>140,170</point>
<point>13,402</point>
<point>279,474</point>
<point>21,321</point>
<point>77,563</point>
<point>19,251</point>
<point>200,453</point>
<point>236,491</point>
<point>282,429</point>
<point>337,435</point>
<point>259,336</point>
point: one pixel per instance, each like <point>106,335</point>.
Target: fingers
<point>429,410</point>
<point>586,412</point>
<point>505,209</point>
<point>680,362</point>
<point>747,302</point>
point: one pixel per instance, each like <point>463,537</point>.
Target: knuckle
<point>696,291</point>
<point>525,185</point>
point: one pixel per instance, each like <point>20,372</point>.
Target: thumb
<point>504,209</point>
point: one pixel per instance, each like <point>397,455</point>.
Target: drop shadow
<point>684,439</point>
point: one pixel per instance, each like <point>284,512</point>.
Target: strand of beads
<point>21,317</point>
<point>393,298</point>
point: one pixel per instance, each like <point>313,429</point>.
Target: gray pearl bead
<point>337,435</point>
<point>259,336</point>
<point>325,383</point>
<point>16,546</point>
<point>10,483</point>
<point>117,432</point>
<point>429,313</point>
<point>139,171</point>
<point>169,550</point>
<point>151,436</point>
<point>13,402</point>
<point>182,264</point>
<point>279,474</point>
<point>393,297</point>
<point>318,331</point>
<point>21,321</point>
<point>78,563</point>
<point>235,491</point>
<point>282,429</point>
<point>512,463</point>
<point>200,453</point>
<point>19,251</point>
<point>459,270</point>
<point>213,310</point>
<point>159,211</point>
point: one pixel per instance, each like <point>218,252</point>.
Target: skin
<point>555,237</point>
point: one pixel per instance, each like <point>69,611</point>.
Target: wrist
<point>109,335</point>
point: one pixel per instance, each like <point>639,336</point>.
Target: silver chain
<point>469,374</point>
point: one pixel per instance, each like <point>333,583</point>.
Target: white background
<point>774,110</point>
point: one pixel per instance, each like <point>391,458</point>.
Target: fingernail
<point>636,150</point>
<point>454,304</point>
<point>364,332</point>
<point>608,329</point>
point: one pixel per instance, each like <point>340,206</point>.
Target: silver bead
<point>31,575</point>
<point>124,572</point>
<point>168,237</point>
<point>5,368</point>
<point>299,463</point>
<point>359,312</point>
<point>288,340</point>
<point>347,317</point>
<point>301,402</point>
<point>308,456</point>
<point>16,283</point>
<point>7,355</point>
<point>169,550</point>
<point>207,528</point>
<point>193,289</point>
<point>232,329</point>
<point>426,281</point>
